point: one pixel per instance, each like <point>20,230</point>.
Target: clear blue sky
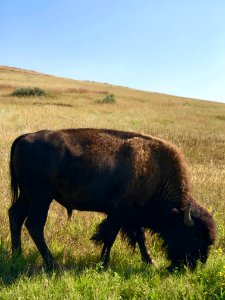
<point>168,46</point>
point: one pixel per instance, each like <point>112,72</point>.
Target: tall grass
<point>197,127</point>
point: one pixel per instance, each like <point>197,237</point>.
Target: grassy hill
<point>196,126</point>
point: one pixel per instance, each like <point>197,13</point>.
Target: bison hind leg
<point>17,215</point>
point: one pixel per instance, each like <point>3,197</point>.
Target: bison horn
<point>187,216</point>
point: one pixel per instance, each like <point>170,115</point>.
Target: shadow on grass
<point>12,267</point>
<point>31,265</point>
<point>52,103</point>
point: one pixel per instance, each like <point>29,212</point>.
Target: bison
<point>139,181</point>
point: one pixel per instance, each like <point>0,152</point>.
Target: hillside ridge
<point>106,86</point>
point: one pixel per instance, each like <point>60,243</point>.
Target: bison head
<point>189,236</point>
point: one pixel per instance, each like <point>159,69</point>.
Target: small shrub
<point>221,118</point>
<point>29,92</point>
<point>109,98</point>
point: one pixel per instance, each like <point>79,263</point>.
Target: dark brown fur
<point>138,180</point>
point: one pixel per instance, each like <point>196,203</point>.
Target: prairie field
<point>196,126</point>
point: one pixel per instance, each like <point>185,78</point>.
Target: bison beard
<point>139,181</point>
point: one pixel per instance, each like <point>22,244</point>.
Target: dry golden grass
<point>198,127</point>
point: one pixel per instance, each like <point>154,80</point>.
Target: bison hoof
<point>153,263</point>
<point>149,261</point>
<point>55,266</point>
<point>173,268</point>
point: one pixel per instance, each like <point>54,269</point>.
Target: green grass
<point>197,127</point>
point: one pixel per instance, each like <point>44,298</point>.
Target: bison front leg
<point>35,224</point>
<point>108,243</point>
<point>140,237</point>
<point>106,234</point>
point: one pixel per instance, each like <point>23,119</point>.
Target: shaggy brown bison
<point>137,180</point>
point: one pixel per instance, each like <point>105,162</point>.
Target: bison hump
<point>138,158</point>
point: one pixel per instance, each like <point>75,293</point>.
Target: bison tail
<point>14,182</point>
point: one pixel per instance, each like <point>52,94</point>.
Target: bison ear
<point>175,214</point>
